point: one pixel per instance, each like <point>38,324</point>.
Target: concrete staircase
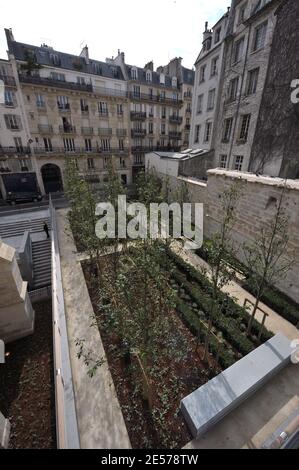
<point>18,228</point>
<point>41,255</point>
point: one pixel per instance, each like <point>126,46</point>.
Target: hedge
<point>272,297</point>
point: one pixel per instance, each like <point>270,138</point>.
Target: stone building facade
<point>93,112</point>
<point>276,141</point>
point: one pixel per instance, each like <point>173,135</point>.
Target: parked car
<point>15,197</point>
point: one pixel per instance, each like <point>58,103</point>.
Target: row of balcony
<point>141,116</point>
<point>143,133</point>
<point>70,129</point>
<point>8,80</point>
<point>14,151</point>
<point>80,151</point>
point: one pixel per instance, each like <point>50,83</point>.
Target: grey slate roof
<point>142,76</point>
<point>66,61</point>
<point>188,76</point>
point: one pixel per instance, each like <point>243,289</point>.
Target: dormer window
<point>148,76</point>
<point>96,68</point>
<point>162,79</point>
<point>114,72</point>
<point>174,82</point>
<point>55,59</point>
<point>217,35</point>
<point>134,73</point>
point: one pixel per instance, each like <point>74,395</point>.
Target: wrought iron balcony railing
<point>105,131</point>
<point>138,116</point>
<point>138,132</point>
<point>175,119</point>
<point>45,128</point>
<point>67,129</point>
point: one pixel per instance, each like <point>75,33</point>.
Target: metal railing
<point>138,132</point>
<point>67,129</point>
<point>105,131</point>
<point>137,116</point>
<point>8,80</point>
<point>66,418</point>
<point>175,119</point>
<point>15,151</point>
<point>45,129</point>
<point>154,98</point>
<point>54,83</point>
<point>87,130</point>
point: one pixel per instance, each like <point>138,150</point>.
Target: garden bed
<point>161,424</point>
<point>27,396</point>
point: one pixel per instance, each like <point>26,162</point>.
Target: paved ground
<point>258,418</point>
<point>100,420</point>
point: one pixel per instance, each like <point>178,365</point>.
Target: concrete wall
<point>253,211</point>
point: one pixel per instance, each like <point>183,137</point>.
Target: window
<point>18,144</point>
<point>119,109</point>
<point>57,76</point>
<point>162,95</point>
<point>63,103</point>
<point>96,68</point>
<point>175,97</point>
<point>202,74</point>
<point>214,66</point>
<point>238,162</point>
<point>260,36</point>
<point>150,128</point>
<point>23,164</point>
<point>238,51</point>
<point>90,163</point>
<point>199,104</point>
<point>105,144</point>
<point>12,122</point>
<point>227,129</point>
<point>40,100</point>
<point>217,35</point>
<point>245,127</point>
<point>121,144</point>
<point>163,113</point>
<point>233,89</point>
<point>151,93</point>
<point>81,80</point>
<point>122,162</point>
<point>138,159</point>
<point>9,98</point>
<point>174,82</point>
<point>69,145</point>
<point>83,105</point>
<point>55,59</point>
<point>162,79</point>
<point>223,161</point>
<point>88,146</point>
<point>208,131</point>
<point>48,144</point>
<point>242,11</point>
<point>103,108</point>
<point>134,73</point>
<point>252,81</point>
<point>136,91</point>
<point>148,76</point>
<point>197,132</point>
<point>163,129</point>
<point>211,99</point>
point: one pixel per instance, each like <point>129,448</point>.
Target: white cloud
<point>144,29</point>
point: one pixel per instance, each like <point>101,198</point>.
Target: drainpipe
<point>239,100</point>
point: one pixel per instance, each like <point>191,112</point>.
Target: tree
<point>220,249</point>
<point>266,257</point>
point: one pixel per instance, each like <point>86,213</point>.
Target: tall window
<point>18,144</point>
<point>88,146</point>
<point>48,144</point>
<point>233,89</point>
<point>238,162</point>
<point>105,144</point>
<point>136,91</point>
<point>238,51</point>
<point>9,98</point>
<point>223,161</point>
<point>199,104</point>
<point>119,109</point>
<point>63,102</point>
<point>202,73</point>
<point>81,80</point>
<point>245,126</point>
<point>163,129</point>
<point>90,163</point>
<point>150,128</point>
<point>163,113</point>
<point>197,132</point>
<point>208,132</point>
<point>227,129</point>
<point>211,99</point>
<point>103,108</point>
<point>12,122</point>
<point>242,12</point>
<point>69,145</point>
<point>40,100</point>
<point>57,76</point>
<point>121,144</point>
<point>148,76</point>
<point>214,66</point>
<point>134,73</point>
<point>84,105</point>
<point>217,35</point>
<point>252,81</point>
<point>260,36</point>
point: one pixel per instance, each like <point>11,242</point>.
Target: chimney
<point>149,66</point>
<point>85,54</point>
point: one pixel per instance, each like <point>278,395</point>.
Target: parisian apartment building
<point>230,80</point>
<point>60,106</point>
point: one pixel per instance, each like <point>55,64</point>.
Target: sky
<point>145,30</point>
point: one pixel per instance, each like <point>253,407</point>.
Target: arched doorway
<point>52,180</point>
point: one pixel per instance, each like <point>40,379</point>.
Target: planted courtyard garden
<point>167,328</point>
